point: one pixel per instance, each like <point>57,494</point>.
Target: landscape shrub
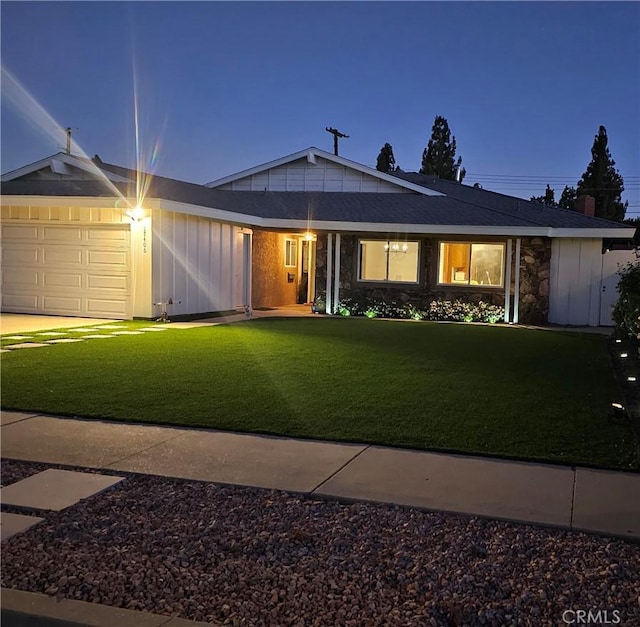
<point>445,310</point>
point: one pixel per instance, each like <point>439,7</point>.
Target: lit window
<point>290,253</point>
<point>388,260</point>
<point>466,263</point>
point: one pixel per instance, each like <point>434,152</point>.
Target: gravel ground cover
<point>245,556</point>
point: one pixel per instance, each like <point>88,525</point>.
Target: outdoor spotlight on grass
<point>624,355</point>
<point>631,379</point>
<point>618,413</point>
<point>618,341</point>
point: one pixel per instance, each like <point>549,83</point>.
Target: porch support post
<point>507,285</point>
<point>311,267</point>
<point>336,280</point>
<point>516,293</point>
<point>329,271</point>
<point>247,271</point>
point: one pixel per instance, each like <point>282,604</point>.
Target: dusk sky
<point>225,86</point>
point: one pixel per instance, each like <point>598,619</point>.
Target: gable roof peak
<point>311,154</point>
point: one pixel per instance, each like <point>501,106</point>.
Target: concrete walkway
<point>599,501</point>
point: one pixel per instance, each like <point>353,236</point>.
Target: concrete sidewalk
<point>600,501</point>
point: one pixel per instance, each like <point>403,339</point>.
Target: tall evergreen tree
<point>386,161</point>
<point>549,197</point>
<point>439,156</point>
<point>602,181</point>
<point>568,198</point>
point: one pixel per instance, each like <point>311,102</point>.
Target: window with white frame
<point>290,253</point>
<point>388,261</point>
<point>471,263</point>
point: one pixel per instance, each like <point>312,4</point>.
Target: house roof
<point>310,155</point>
<point>457,209</point>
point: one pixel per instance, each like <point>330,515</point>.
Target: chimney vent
<point>586,205</point>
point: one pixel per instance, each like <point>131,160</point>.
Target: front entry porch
<point>283,269</point>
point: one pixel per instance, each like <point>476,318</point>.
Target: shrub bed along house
<point>456,310</point>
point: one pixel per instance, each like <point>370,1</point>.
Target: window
<point>466,263</point>
<point>388,260</point>
<point>290,253</point>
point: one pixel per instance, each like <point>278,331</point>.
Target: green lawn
<point>493,390</point>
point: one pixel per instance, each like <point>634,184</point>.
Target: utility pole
<point>336,134</point>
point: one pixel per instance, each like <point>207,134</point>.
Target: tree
<point>568,198</point>
<point>602,181</point>
<point>549,197</point>
<point>439,156</point>
<point>386,160</point>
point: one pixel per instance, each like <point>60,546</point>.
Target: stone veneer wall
<point>535,268</point>
<point>535,256</point>
<point>269,285</point>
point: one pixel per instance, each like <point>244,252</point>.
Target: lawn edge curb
<point>32,609</point>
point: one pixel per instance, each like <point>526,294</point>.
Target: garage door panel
<point>107,282</point>
<point>61,279</point>
<point>23,255</point>
<point>54,255</point>
<point>61,234</point>
<point>20,303</point>
<point>15,277</point>
<point>13,232</point>
<point>71,305</point>
<point>108,237</point>
<point>105,307</point>
<point>108,258</point>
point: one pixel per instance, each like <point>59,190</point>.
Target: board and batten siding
<point>196,261</point>
<point>575,282</point>
<point>302,176</point>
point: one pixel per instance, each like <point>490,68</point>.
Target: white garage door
<point>66,270</point>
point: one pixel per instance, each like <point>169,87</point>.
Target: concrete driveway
<point>28,323</point>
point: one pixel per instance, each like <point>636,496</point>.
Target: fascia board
<point>426,229</point>
<point>61,157</point>
<point>613,233</point>
<point>221,215</point>
<point>310,154</point>
<point>320,225</point>
<point>27,169</point>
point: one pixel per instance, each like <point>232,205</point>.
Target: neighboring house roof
<point>456,209</point>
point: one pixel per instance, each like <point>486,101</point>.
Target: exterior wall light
<point>136,214</point>
<point>309,237</point>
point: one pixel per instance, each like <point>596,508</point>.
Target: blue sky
<point>229,85</point>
